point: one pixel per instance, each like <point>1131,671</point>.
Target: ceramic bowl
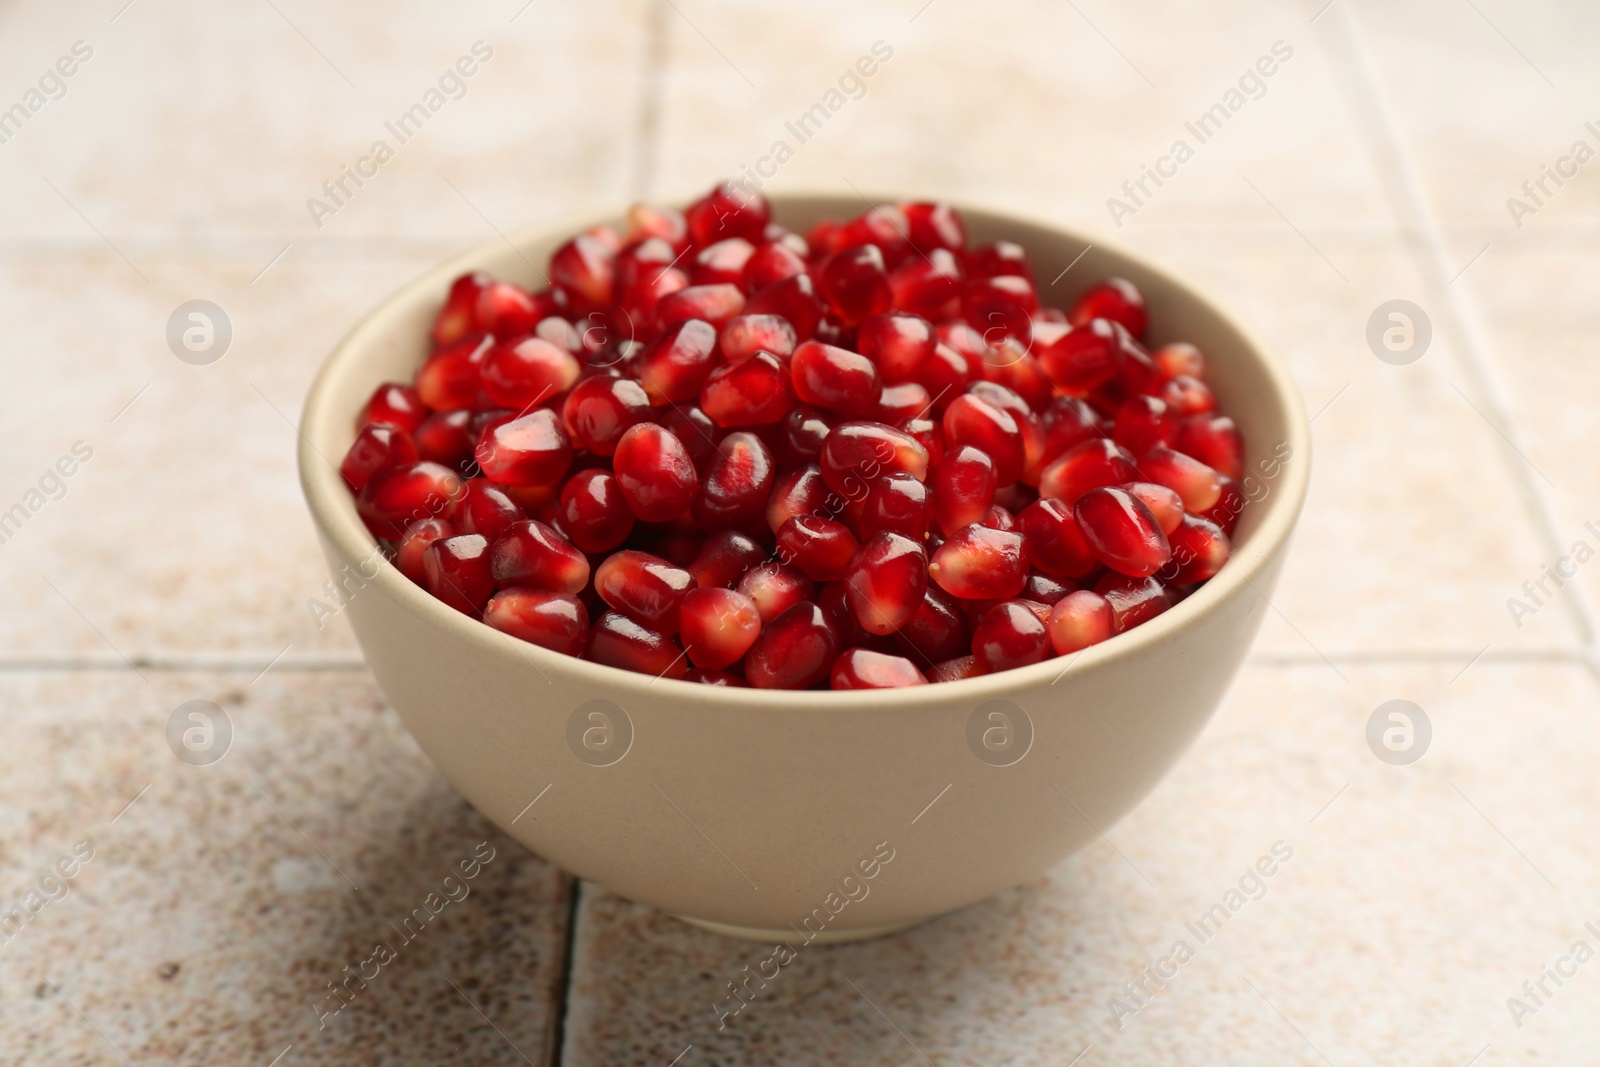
<point>808,816</point>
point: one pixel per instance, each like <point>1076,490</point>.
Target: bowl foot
<point>826,937</point>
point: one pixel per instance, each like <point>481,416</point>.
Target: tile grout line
<point>563,984</point>
<point>1417,220</point>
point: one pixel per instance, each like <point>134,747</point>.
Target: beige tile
<point>1394,933</point>
<point>216,909</point>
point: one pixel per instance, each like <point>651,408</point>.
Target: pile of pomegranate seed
<point>867,457</point>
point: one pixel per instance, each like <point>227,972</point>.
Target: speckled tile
<point>219,901</point>
<point>1394,932</point>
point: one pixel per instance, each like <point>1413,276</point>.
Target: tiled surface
<point>1375,165</point>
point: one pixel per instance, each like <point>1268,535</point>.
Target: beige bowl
<point>811,815</point>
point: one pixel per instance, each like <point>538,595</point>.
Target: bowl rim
<point>333,510</point>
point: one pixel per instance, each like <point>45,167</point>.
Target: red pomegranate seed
<point>998,518</point>
<point>934,225</point>
<point>977,563</point>
<point>998,259</point>
<point>414,542</point>
<point>897,343</point>
<point>531,553</point>
<point>1122,532</point>
<point>754,392</point>
<point>926,433</point>
<point>722,263</point>
<point>452,376</point>
<point>937,630</point>
<point>820,547</point>
<point>928,286</point>
<point>800,492</point>
<point>835,378</point>
<point>1163,503</point>
<point>1087,465</point>
<point>1179,357</point>
<point>794,650</point>
<point>855,453</point>
<point>718,626</point>
<point>1055,544</point>
<point>971,420</point>
<point>519,374</point>
<point>954,670</point>
<point>1115,299</point>
<point>459,315</point>
<point>395,498</point>
<point>1136,371</point>
<point>1199,549</point>
<point>653,469</point>
<point>896,503</point>
<point>532,450</point>
<point>713,304</point>
<point>1188,396</point>
<point>600,410</point>
<point>963,485</point>
<point>695,430</point>
<point>644,587</point>
<point>729,210</point>
<point>775,588</point>
<point>772,262</point>
<point>862,668</point>
<point>636,312</point>
<point>618,641</point>
<point>1001,306</point>
<point>720,678</point>
<point>457,571</point>
<point>549,620</point>
<point>449,437</point>
<point>724,558</point>
<point>737,482</point>
<point>396,404</point>
<point>643,260</point>
<point>1213,440</point>
<point>1043,589</point>
<point>1198,485</point>
<point>1230,503</point>
<point>885,582</point>
<point>884,226</point>
<point>377,447</point>
<point>593,512</point>
<point>855,284</point>
<point>507,310</point>
<point>486,509</point>
<point>834,600</point>
<point>674,367</point>
<point>1142,423</point>
<point>794,299</point>
<point>650,220</point>
<point>944,374</point>
<point>903,402</point>
<point>745,335</point>
<point>1009,635</point>
<point>1082,357</point>
<point>1068,422</point>
<point>1132,600</point>
<point>800,437</point>
<point>585,269</point>
<point>1078,620</point>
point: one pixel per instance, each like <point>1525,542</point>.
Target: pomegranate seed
<point>820,547</point>
<point>396,404</point>
<point>1132,600</point>
<point>998,518</point>
<point>926,433</point>
<point>775,588</point>
<point>1082,357</point>
<point>800,492</point>
<point>745,335</point>
<point>928,286</point>
<point>800,441</point>
<point>897,343</point>
<point>379,446</point>
<point>963,488</point>
<point>754,392</point>
<point>1188,396</point>
<point>944,374</point>
<point>728,211</point>
<point>795,650</point>
<point>642,300</point>
<point>531,450</point>
<point>896,503</point>
<point>1213,440</point>
<point>457,571</point>
<point>618,641</point>
<point>593,511</point>
<point>977,563</point>
<point>998,259</point>
<point>1009,635</point>
<point>937,630</point>
<point>903,402</point>
<point>599,411</point>
<point>654,471</point>
<point>531,553</point>
<point>835,378</point>
<point>642,261</point>
<point>736,485</point>
<point>585,269</point>
<point>773,262</point>
<point>971,420</point>
<point>559,332</point>
<point>1055,544</point>
<point>486,509</point>
<point>793,299</point>
<point>1198,485</point>
<point>714,304</point>
<point>395,498</point>
<point>885,582</point>
<point>855,284</point>
<point>452,376</point>
<point>934,225</point>
<point>1143,423</point>
<point>1163,503</point>
<point>1068,422</point>
<point>1002,306</point>
<point>1199,549</point>
<point>549,620</point>
<point>1078,620</point>
<point>954,670</point>
<point>724,558</point>
<point>414,542</point>
<point>459,315</point>
<point>649,220</point>
<point>507,310</point>
<point>694,430</point>
<point>643,587</point>
<point>1177,358</point>
<point>519,374</point>
<point>1087,465</point>
<point>722,678</point>
<point>862,668</point>
<point>722,263</point>
<point>1044,589</point>
<point>1230,503</point>
<point>673,368</point>
<point>718,626</point>
<point>448,438</point>
<point>855,453</point>
<point>1122,532</point>
<point>1115,299</point>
